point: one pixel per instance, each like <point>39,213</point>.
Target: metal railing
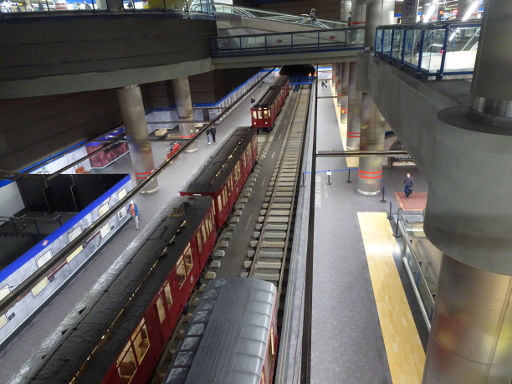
<point>303,19</point>
<point>267,43</point>
<point>431,50</point>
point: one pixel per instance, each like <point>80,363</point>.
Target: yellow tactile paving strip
<point>352,162</point>
<point>403,346</point>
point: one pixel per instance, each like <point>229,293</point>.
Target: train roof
<point>269,96</point>
<point>226,340</point>
<point>213,175</point>
<point>149,268</point>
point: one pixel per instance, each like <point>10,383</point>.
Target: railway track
<point>267,258</point>
<point>274,230</point>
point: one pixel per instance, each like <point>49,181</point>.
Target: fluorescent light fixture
<point>470,10</point>
<point>430,11</point>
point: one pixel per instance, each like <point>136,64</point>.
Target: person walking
<point>134,212</point>
<point>312,15</point>
<point>208,135</point>
<point>408,184</point>
<point>213,131</point>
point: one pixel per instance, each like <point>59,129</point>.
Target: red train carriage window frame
<point>133,353</point>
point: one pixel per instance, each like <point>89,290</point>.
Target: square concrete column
<point>134,119</point>
<point>345,69</point>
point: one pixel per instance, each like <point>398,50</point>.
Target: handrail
<point>288,33</point>
<point>432,49</point>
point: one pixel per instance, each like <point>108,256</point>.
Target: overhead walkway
<point>323,45</point>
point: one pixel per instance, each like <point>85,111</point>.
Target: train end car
<point>119,335</point>
<point>232,337</point>
<point>268,107</point>
<point>223,176</point>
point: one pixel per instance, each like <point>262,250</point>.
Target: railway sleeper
<point>279,212</point>
<point>278,219</point>
<point>256,234</point>
<point>280,206</point>
<point>274,235</point>
<point>268,265</point>
<point>272,277</point>
<point>272,244</point>
<point>271,254</point>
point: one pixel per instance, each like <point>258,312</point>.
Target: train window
<point>219,202</point>
<point>203,231</point>
<point>254,116</point>
<point>265,113</point>
<point>237,172</point>
<point>168,295</point>
<point>189,262</point>
<point>140,340</point>
<point>199,242</point>
<point>180,272</point>
<point>126,366</point>
<point>224,196</point>
<point>272,347</point>
<point>160,309</point>
<point>259,113</point>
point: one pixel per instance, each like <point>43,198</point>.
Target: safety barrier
<point>430,50</point>
<point>289,42</point>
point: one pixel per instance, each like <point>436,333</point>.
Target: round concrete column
<point>345,69</point>
<point>354,110</point>
<point>492,84</point>
<point>183,99</point>
<point>373,130</point>
<point>378,12</point>
<point>339,79</point>
<point>470,340</point>
<point>345,8</point>
<point>134,119</point>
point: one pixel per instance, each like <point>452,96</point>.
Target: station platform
<point>366,326</point>
<point>171,180</point>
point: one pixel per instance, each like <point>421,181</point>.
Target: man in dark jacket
<point>213,131</point>
<point>408,184</point>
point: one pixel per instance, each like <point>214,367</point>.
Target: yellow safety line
<point>403,346</point>
<point>352,162</point>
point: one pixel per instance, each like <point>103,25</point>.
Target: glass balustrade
<point>345,38</point>
<point>432,50</point>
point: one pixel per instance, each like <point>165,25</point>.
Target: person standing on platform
<point>208,135</point>
<point>213,131</point>
<point>312,15</point>
<point>134,212</point>
<point>408,184</point>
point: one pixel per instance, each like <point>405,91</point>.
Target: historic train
<point>267,108</point>
<point>232,337</point>
<point>225,173</point>
<point>119,337</point>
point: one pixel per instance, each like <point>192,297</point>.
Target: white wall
<point>10,200</point>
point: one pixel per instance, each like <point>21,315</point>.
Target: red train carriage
<point>120,336</point>
<point>265,111</point>
<point>233,325</point>
<point>225,173</point>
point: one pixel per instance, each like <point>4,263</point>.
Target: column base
<point>193,149</point>
<point>368,193</point>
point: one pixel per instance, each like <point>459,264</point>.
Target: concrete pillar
<point>183,99</point>
<point>345,9</point>
<point>354,110</point>
<point>114,5</point>
<point>491,89</point>
<point>378,12</point>
<point>339,76</point>
<point>409,11</point>
<point>134,119</point>
<point>345,69</point>
<point>358,10</point>
<point>373,130</point>
<point>471,339</point>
